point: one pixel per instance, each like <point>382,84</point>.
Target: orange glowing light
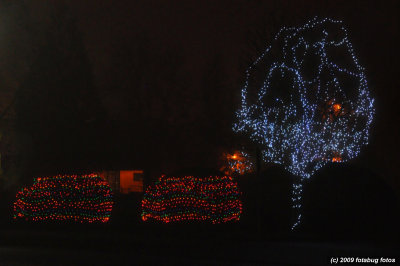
<point>337,108</point>
<point>235,162</point>
<point>336,159</point>
<point>129,181</point>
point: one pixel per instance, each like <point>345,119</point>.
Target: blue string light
<point>326,113</point>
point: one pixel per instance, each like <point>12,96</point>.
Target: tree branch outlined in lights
<point>306,101</point>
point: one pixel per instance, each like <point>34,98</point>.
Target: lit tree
<point>306,102</point>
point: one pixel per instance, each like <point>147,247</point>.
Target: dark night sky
<point>150,64</point>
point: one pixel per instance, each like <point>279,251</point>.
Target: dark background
<point>91,85</point>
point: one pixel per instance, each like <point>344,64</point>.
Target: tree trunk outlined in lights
<point>306,102</point>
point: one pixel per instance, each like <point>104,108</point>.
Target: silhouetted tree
<point>57,108</point>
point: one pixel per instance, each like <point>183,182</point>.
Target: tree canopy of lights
<point>173,199</point>
<point>86,198</point>
<point>306,101</point>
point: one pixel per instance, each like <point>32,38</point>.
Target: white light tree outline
<point>320,118</point>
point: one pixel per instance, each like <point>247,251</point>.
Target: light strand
<point>86,198</point>
<point>323,116</point>
<point>174,199</point>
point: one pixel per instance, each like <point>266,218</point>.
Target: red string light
<point>174,199</point>
<point>86,198</point>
